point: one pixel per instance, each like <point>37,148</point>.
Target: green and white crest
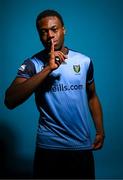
<point>76,68</point>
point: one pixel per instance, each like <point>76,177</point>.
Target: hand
<point>98,142</point>
<point>53,54</point>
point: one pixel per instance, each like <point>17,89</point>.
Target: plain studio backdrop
<point>94,28</point>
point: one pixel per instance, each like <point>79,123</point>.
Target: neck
<point>64,50</point>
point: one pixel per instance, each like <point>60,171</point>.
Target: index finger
<point>52,46</point>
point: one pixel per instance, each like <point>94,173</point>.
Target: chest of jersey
<point>70,74</point>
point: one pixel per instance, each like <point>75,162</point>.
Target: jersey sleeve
<point>27,69</point>
<point>90,74</point>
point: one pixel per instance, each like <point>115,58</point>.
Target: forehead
<point>49,21</point>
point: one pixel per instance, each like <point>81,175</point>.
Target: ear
<point>64,30</point>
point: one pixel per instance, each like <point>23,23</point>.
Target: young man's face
<point>51,28</point>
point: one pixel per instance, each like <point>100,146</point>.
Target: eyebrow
<point>54,26</point>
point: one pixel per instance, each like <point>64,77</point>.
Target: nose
<point>50,34</point>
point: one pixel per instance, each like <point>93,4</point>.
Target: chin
<point>57,48</point>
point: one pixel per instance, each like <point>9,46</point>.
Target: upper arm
<point>90,85</point>
<point>26,70</point>
<point>91,91</point>
<point>19,90</point>
<point>90,74</point>
<point>16,81</point>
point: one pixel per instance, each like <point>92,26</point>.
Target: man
<point>64,88</point>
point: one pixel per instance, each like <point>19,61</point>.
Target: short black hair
<point>46,13</point>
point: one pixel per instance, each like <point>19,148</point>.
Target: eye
<point>54,30</point>
<point>43,32</point>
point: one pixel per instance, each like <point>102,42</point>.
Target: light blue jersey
<point>62,102</point>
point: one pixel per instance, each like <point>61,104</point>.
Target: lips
<point>55,42</point>
<point>49,42</point>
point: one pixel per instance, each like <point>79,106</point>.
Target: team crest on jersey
<point>76,68</point>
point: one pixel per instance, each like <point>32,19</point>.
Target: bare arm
<point>22,88</point>
<point>97,115</point>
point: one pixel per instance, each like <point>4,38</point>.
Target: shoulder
<point>34,63</point>
<point>80,55</point>
<point>39,61</point>
<point>38,58</point>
